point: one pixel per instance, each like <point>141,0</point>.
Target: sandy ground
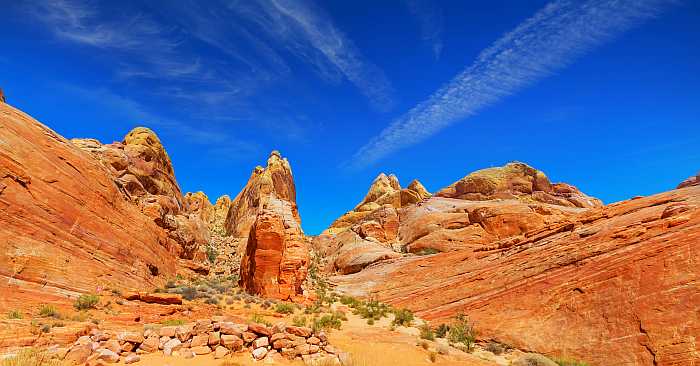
<point>378,344</point>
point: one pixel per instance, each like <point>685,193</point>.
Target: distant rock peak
<point>692,181</point>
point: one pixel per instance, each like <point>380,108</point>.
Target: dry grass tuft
<point>32,357</point>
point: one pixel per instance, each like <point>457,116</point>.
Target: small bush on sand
<point>533,359</point>
<point>462,331</point>
<point>284,308</point>
<point>495,348</point>
<point>31,357</point>
<point>568,362</point>
<point>49,310</point>
<point>426,332</point>
<point>442,330</point>
<point>432,356</point>
<point>428,251</point>
<point>86,301</point>
<point>14,314</point>
<point>424,345</point>
<point>403,317</point>
<point>257,318</point>
<point>171,322</point>
<point>326,322</point>
<point>299,321</point>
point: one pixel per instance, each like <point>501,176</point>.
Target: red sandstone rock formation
<point>140,166</point>
<point>276,260</point>
<point>516,181</point>
<point>692,181</point>
<point>2,97</point>
<point>65,224</point>
<point>276,257</point>
<point>274,180</point>
<point>615,285</point>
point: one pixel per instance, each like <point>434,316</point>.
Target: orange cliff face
<point>276,259</point>
<point>613,285</point>
<point>72,221</point>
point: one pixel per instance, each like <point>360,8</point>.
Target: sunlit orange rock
<point>65,224</point>
<point>276,259</point>
<point>613,285</point>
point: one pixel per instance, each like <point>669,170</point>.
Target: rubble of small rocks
<point>215,336</point>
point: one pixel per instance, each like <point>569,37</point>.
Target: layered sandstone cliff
<point>66,224</point>
<point>276,259</point>
<point>614,285</point>
<point>141,168</point>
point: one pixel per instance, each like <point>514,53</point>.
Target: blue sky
<point>601,94</point>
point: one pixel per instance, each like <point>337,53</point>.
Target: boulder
<point>261,342</point>
<point>78,354</point>
<point>300,331</point>
<point>131,359</point>
<point>220,352</point>
<point>231,342</point>
<point>172,345</point>
<point>201,350</point>
<point>214,338</point>
<point>200,340</point>
<point>259,329</point>
<point>259,353</point>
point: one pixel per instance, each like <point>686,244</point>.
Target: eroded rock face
<point>140,166</point>
<point>516,181</point>
<point>385,192</point>
<point>692,181</point>
<point>276,259</point>
<point>610,286</point>
<point>274,180</point>
<point>65,225</point>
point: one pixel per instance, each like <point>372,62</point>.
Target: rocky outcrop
<point>2,97</point>
<point>275,180</point>
<point>692,181</point>
<point>140,166</point>
<point>368,233</point>
<point>517,181</point>
<point>614,285</point>
<point>276,259</point>
<point>66,225</point>
<point>385,192</point>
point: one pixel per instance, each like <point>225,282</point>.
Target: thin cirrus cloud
<point>548,41</point>
<point>304,29</point>
<point>430,19</point>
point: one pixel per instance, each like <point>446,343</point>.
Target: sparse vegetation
<point>442,330</point>
<point>14,314</point>
<point>532,359</point>
<point>403,317</point>
<point>427,251</point>
<point>299,321</point>
<point>371,309</point>
<point>424,344</point>
<point>49,311</point>
<point>432,356</point>
<point>212,254</point>
<point>171,322</point>
<point>426,332</point>
<point>462,331</point>
<point>495,348</point>
<point>568,362</point>
<point>31,357</point>
<point>257,318</point>
<point>284,308</point>
<point>86,301</point>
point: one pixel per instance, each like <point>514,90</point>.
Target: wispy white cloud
<point>306,30</point>
<point>548,41</point>
<point>430,19</point>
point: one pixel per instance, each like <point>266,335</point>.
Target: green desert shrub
<point>171,322</point>
<point>86,301</point>
<point>533,359</point>
<point>569,362</point>
<point>403,317</point>
<point>462,331</point>
<point>299,321</point>
<point>426,332</point>
<point>49,310</point>
<point>442,330</point>
<point>31,357</point>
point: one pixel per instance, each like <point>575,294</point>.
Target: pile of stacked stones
<point>203,337</point>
